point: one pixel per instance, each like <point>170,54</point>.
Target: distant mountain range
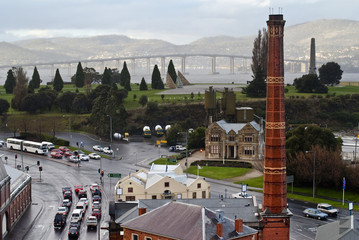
<point>336,40</point>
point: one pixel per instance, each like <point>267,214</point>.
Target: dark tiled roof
<point>185,221</point>
<point>232,207</point>
<point>175,220</point>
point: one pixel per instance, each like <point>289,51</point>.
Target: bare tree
<point>20,90</point>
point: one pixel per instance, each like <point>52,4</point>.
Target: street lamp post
<point>186,134</point>
<point>110,128</point>
<point>313,172</point>
<point>69,125</point>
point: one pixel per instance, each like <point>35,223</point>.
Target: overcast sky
<point>179,21</point>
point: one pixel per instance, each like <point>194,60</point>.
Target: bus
<point>26,146</point>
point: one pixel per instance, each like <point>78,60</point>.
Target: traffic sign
<point>163,141</point>
<point>114,175</point>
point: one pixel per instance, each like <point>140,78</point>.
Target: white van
<point>50,145</point>
<point>81,206</point>
<point>76,215</point>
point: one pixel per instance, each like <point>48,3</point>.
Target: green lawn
<point>253,182</point>
<point>163,161</point>
<point>218,172</point>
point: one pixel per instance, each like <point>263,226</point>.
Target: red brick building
<point>15,197</point>
<point>178,220</point>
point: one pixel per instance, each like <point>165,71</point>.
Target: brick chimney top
<point>141,211</point>
<point>220,230</point>
<point>238,225</point>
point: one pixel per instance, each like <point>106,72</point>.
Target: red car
<point>57,150</point>
<point>64,149</point>
<point>68,154</point>
<point>56,155</point>
<point>78,188</point>
<point>97,213</point>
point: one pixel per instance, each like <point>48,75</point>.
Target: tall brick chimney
<point>274,216</point>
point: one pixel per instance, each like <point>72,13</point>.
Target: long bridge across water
<point>242,63</point>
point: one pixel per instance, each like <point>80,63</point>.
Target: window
<point>215,138</point>
<point>179,196</point>
<point>148,238</point>
<point>214,149</point>
<point>130,198</point>
<point>232,138</point>
<point>154,197</point>
<point>167,184</point>
<point>204,194</point>
<point>248,138</point>
<point>194,195</point>
<point>248,151</point>
<point>198,185</point>
<point>135,237</point>
<point>130,189</point>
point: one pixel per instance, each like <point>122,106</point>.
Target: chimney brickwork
<point>275,220</point>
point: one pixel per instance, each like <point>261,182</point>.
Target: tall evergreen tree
<point>156,80</point>
<point>80,76</point>
<point>35,80</point>
<point>20,90</point>
<point>143,85</point>
<point>260,54</point>
<point>257,87</point>
<point>106,77</point>
<point>125,76</point>
<point>58,82</point>
<point>10,82</point>
<point>172,71</point>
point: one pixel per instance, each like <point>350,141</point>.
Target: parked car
<point>97,148</point>
<point>59,221</point>
<point>241,195</point>
<point>64,149</point>
<point>97,213</point>
<point>94,156</point>
<point>83,157</point>
<point>56,155</point>
<point>66,203</point>
<point>78,188</point>
<point>107,150</point>
<point>2,143</point>
<point>73,159</point>
<point>57,150</point>
<point>315,213</point>
<point>68,153</point>
<point>328,209</point>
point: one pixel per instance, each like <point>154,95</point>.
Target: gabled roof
<point>156,168</point>
<point>236,126</point>
<point>184,221</point>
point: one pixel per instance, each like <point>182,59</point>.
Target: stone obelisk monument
<point>312,68</point>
